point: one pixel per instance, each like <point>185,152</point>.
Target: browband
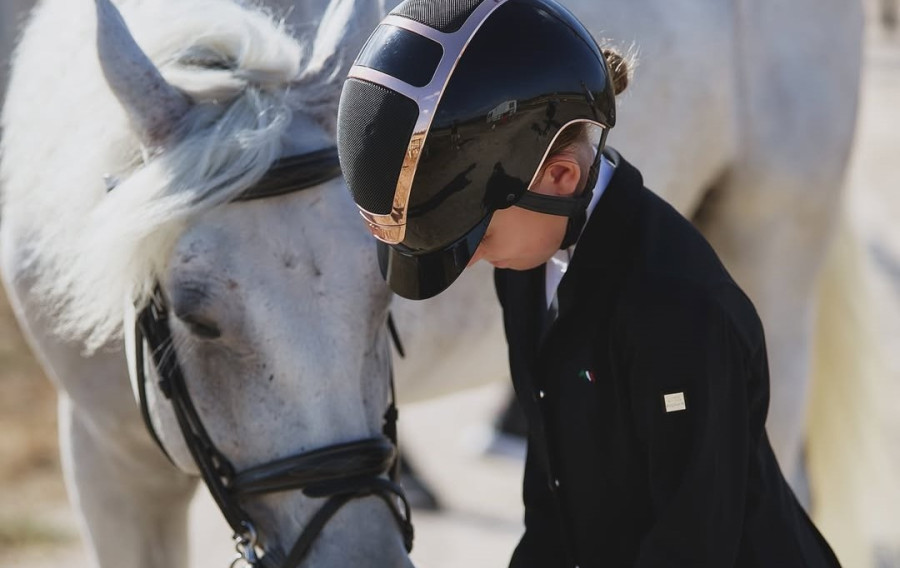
<point>295,173</point>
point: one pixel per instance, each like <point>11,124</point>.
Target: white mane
<point>95,249</point>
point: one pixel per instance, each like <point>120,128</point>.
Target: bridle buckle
<point>245,545</point>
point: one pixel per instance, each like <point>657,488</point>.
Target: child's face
<point>521,239</point>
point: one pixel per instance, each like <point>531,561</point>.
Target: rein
<point>338,473</point>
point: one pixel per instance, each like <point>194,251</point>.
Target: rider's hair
<point>620,68</point>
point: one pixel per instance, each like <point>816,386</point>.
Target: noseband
<point>337,473</point>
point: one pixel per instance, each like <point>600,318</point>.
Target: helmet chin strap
<point>575,208</point>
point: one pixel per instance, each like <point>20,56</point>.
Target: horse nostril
<point>201,327</point>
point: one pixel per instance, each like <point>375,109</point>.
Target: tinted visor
<point>419,276</point>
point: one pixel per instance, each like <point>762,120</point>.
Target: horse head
<point>265,363</point>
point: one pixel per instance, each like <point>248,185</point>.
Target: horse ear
<point>154,106</point>
<point>344,28</point>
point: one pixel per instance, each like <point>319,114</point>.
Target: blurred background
<point>480,521</point>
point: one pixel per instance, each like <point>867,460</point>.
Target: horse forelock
<point>93,250</point>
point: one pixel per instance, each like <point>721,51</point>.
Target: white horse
<point>733,118</point>
<point>277,307</point>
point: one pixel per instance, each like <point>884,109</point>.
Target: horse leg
<point>509,431</point>
<point>131,503</point>
<point>132,509</point>
<point>774,252</point>
<point>889,14</point>
<point>774,212</point>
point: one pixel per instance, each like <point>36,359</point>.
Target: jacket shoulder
<point>671,247</point>
<point>673,308</point>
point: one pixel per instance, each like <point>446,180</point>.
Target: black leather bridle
<point>338,473</point>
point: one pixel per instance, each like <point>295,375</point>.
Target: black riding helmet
<point>447,115</point>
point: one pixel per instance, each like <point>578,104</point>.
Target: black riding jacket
<point>646,400</point>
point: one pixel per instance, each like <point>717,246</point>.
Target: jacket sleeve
<point>687,373</point>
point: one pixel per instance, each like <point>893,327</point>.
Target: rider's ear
<point>560,177</point>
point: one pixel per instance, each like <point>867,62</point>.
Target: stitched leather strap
<point>295,173</point>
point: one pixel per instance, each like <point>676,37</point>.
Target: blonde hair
<point>620,68</point>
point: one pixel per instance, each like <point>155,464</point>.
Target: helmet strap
<point>576,222</point>
<point>554,205</point>
<point>575,208</point>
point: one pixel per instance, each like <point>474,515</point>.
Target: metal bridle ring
<point>245,545</point>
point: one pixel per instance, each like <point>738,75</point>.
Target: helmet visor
<point>421,275</point>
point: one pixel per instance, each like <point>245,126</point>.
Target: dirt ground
<point>33,510</point>
<point>481,521</point>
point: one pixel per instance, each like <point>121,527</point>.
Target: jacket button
<point>541,394</point>
<point>556,484</point>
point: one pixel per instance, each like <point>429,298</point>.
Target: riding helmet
<point>447,116</point>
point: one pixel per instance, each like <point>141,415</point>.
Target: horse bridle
<point>338,473</point>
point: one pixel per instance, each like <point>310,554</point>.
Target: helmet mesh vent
<point>375,126</point>
<point>443,15</point>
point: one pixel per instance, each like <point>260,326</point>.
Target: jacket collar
<point>605,242</point>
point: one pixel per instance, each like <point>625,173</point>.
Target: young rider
<point>476,129</point>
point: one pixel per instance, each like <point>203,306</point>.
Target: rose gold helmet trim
<point>391,228</point>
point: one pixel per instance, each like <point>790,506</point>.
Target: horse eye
<point>201,327</point>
